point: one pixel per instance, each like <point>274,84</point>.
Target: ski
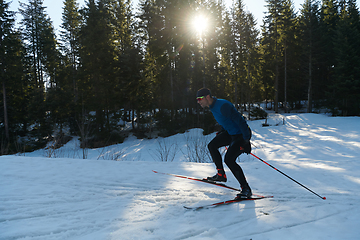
<point>210,182</point>
<point>200,180</point>
<point>253,197</point>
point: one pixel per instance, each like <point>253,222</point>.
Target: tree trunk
<point>285,80</point>
<point>6,123</point>
<point>309,107</point>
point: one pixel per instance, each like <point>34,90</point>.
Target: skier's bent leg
<point>230,161</point>
<point>220,140</point>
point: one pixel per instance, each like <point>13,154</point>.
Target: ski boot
<point>245,193</point>
<point>219,177</point>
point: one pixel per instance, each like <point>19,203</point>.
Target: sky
<point>54,8</point>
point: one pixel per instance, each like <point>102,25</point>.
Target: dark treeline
<point>110,65</point>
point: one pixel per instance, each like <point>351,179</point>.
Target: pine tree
<point>156,44</point>
<point>280,51</point>
<point>288,33</point>
<point>96,56</point>
<point>227,79</point>
<point>211,44</point>
<point>310,43</point>
<point>329,18</point>
<point>271,36</point>
<point>121,21</point>
<point>345,84</point>
<point>238,48</point>
<point>39,35</point>
<point>150,26</point>
<point>62,97</point>
<point>41,46</point>
<point>15,89</point>
<point>6,25</point>
<point>182,55</point>
<point>252,60</point>
<point>289,47</point>
<point>71,21</point>
<point>128,59</point>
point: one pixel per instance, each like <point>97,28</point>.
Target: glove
<point>246,146</point>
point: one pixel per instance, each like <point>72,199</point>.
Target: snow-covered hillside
<point>83,199</point>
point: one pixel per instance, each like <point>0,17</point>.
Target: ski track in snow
<point>56,199</point>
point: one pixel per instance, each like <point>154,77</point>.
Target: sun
<point>199,24</point>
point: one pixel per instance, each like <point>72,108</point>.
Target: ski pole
<point>288,176</point>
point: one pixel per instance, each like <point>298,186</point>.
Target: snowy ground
<point>68,197</point>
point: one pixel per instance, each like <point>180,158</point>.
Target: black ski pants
<point>234,142</point>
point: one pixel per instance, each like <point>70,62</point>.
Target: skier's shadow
<point>246,209</point>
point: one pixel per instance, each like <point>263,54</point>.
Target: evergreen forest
<point>112,66</point>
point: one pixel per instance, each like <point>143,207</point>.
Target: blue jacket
<point>229,118</point>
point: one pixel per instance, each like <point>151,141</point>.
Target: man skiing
<point>235,133</point>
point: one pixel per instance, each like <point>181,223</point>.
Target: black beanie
<point>203,92</point>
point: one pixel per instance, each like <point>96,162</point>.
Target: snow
<point>67,197</point>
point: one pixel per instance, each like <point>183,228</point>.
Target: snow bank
<point>73,198</point>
